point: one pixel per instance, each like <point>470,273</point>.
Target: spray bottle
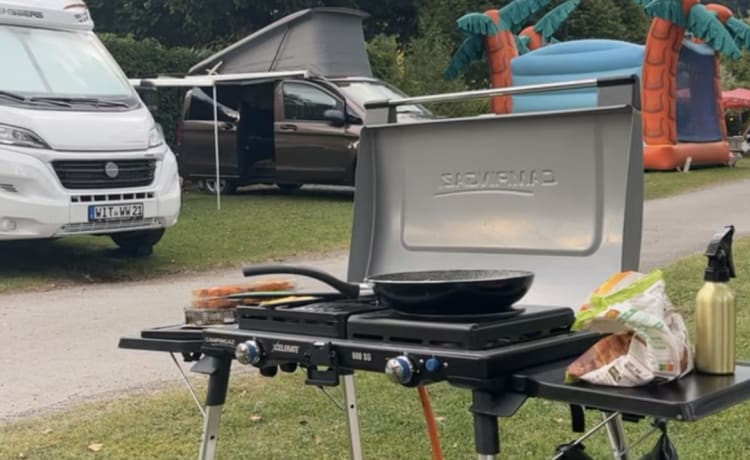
<point>715,309</point>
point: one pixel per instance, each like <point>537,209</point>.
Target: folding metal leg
<point>486,436</point>
<point>217,369</point>
<point>211,425</point>
<point>486,408</point>
<point>616,435</point>
<point>352,419</point>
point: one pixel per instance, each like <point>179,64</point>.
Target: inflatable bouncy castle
<point>678,66</point>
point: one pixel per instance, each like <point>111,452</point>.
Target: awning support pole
<point>216,149</point>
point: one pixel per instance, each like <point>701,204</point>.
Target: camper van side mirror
<point>149,96</point>
<point>336,117</point>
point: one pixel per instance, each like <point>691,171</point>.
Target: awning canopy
<point>736,99</point>
<point>192,81</point>
<point>212,81</point>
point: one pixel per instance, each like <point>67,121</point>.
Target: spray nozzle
<point>720,265</point>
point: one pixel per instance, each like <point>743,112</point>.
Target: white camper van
<point>79,151</point>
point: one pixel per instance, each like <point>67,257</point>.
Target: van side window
<point>228,98</point>
<point>305,102</point>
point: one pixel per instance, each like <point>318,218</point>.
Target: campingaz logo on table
<point>521,182</point>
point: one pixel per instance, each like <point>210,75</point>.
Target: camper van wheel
<point>289,187</point>
<point>138,243</point>
<point>225,186</point>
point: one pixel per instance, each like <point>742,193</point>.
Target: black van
<point>289,132</point>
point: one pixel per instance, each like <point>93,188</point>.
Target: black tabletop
<point>690,398</point>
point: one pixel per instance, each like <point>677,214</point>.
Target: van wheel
<point>289,187</point>
<point>139,242</point>
<point>225,186</point>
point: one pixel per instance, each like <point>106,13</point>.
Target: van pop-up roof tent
<point>322,41</point>
<point>325,41</point>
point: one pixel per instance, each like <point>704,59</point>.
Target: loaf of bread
<point>600,354</point>
<point>230,289</point>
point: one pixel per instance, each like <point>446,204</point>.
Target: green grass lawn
<point>255,225</point>
<point>659,184</point>
<point>250,227</point>
<point>281,418</point>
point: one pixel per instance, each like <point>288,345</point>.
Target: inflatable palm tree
<point>492,33</point>
<point>672,19</point>
<point>540,34</point>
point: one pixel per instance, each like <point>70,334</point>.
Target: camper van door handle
<point>288,127</point>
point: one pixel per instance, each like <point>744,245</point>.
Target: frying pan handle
<point>347,289</point>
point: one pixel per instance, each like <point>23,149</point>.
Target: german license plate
<point>106,212</point>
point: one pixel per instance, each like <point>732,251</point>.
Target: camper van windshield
<point>66,68</point>
<point>364,91</point>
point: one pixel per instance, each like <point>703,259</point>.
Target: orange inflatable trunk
<point>535,39</point>
<point>659,92</point>
<point>501,49</point>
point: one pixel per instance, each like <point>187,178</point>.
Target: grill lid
<point>555,193</point>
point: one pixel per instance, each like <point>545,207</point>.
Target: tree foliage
<point>216,23</point>
<point>219,22</point>
<point>613,19</point>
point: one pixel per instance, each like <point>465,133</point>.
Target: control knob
<point>400,370</point>
<point>248,352</point>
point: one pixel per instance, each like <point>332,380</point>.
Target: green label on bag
<point>598,303</point>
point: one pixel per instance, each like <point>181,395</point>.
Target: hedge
<point>149,58</point>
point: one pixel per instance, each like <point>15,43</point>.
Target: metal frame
<point>613,90</point>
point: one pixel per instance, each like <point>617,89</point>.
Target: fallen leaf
<point>95,447</point>
<point>255,418</point>
<point>559,420</point>
<point>47,431</point>
<point>317,440</point>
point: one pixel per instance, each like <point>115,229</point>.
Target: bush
<point>149,58</point>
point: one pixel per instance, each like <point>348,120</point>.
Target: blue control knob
<point>433,365</point>
<point>248,352</point>
<point>400,370</point>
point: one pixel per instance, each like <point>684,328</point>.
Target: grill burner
<point>325,319</point>
<point>460,318</point>
<point>476,332</point>
<point>366,320</point>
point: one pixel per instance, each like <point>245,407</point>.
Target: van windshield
<point>364,91</point>
<point>54,64</point>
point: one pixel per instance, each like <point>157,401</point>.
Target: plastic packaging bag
<point>664,449</point>
<point>573,452</point>
<point>649,339</point>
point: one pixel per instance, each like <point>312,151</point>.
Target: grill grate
<point>97,174</point>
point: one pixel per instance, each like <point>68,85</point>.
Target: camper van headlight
<point>156,136</point>
<point>13,135</point>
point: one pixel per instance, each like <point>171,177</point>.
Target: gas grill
<point>467,352</point>
<point>576,224</point>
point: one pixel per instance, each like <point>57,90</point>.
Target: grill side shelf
<point>691,398</point>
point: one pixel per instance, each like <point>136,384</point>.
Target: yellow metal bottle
<point>715,324</point>
<point>716,309</point>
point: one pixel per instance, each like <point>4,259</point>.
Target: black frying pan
<point>436,292</point>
